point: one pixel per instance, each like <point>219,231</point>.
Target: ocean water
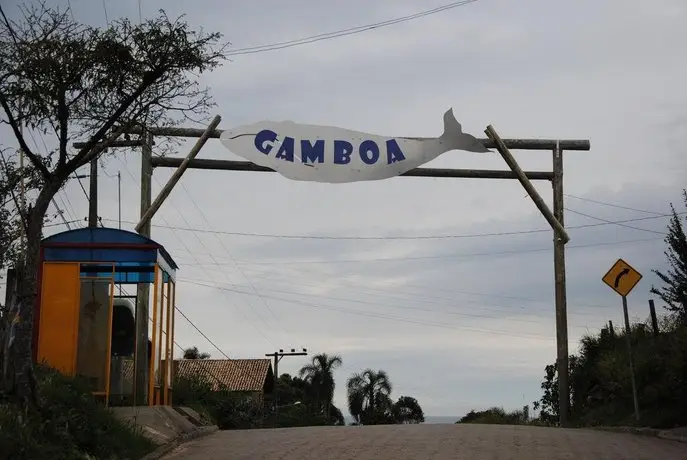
<point>434,419</point>
<point>429,419</point>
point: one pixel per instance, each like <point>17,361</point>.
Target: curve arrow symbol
<point>622,273</point>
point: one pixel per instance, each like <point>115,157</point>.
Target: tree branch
<point>14,197</point>
<point>85,154</point>
<point>35,160</point>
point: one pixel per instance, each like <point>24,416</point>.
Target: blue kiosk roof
<point>106,245</point>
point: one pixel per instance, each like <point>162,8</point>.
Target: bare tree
<point>74,81</point>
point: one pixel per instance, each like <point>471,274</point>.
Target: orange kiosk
<point>86,312</point>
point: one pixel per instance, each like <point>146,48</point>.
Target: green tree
<point>194,353</point>
<point>407,410</point>
<point>674,289</point>
<point>320,376</point>
<point>369,396</point>
<point>77,82</point>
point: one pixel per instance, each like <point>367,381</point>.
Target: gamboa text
<point>314,152</point>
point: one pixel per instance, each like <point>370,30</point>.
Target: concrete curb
<point>653,432</point>
<point>179,440</point>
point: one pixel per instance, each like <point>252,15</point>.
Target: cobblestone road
<point>419,442</point>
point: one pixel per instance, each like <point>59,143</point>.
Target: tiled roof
<point>229,374</point>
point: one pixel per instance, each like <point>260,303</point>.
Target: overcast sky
<point>458,323</point>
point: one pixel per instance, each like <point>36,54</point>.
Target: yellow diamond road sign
<point>622,278</point>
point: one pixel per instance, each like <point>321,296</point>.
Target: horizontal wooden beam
<point>231,165</point>
<point>514,144</point>
<point>114,144</point>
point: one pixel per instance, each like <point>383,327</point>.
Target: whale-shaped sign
<point>336,155</point>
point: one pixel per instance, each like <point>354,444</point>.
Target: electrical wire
<point>183,243</point>
<point>380,316</point>
<point>396,237</point>
<point>440,257</point>
<point>345,32</point>
<point>615,223</point>
<point>339,280</point>
<point>256,311</point>
<point>235,265</point>
<point>211,342</point>
<point>613,205</point>
<point>451,311</point>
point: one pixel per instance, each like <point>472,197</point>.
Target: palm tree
<point>368,396</point>
<point>320,375</point>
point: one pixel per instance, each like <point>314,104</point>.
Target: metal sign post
<point>622,278</point>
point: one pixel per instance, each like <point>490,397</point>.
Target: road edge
<point>653,432</point>
<point>179,440</point>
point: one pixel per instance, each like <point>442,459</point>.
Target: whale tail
<point>455,137</point>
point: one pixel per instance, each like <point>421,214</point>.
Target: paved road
<point>420,442</point>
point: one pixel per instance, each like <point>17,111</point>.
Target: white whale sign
<point>336,155</point>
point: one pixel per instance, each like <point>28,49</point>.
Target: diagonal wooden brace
<point>522,177</point>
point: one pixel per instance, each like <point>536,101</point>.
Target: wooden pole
<point>560,292</point>
<point>531,191</point>
<point>167,189</point>
<point>232,165</point>
<point>278,355</point>
<point>93,195</point>
<point>654,319</point>
<point>143,289</point>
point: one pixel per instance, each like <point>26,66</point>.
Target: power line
<point>449,256</point>
<point>256,311</point>
<point>450,311</point>
<point>201,333</point>
<point>613,205</point>
<point>344,32</point>
<point>380,316</point>
<point>311,277</point>
<point>615,223</point>
<point>409,237</point>
<point>183,243</point>
<point>176,307</point>
<point>221,242</point>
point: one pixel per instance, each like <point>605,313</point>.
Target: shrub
<point>497,416</point>
<point>70,424</point>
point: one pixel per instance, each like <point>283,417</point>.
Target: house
<point>253,377</point>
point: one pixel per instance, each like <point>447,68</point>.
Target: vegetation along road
<point>422,441</point>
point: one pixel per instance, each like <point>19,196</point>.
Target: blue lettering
<point>342,152</point>
<point>262,137</point>
<point>393,152</point>
<point>286,149</point>
<point>369,152</point>
<point>312,152</point>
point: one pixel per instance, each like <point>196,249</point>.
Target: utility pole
<point>277,356</point>
<point>143,289</point>
<point>560,291</point>
<point>93,195</point>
